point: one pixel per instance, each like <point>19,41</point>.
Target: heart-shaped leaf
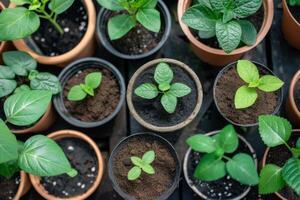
<point>46,81</point>
<point>120,25</point>
<point>20,62</point>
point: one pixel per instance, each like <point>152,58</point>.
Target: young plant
<point>214,164</point>
<point>276,131</point>
<point>81,91</point>
<point>137,11</point>
<point>140,165</point>
<point>24,20</point>
<point>247,95</point>
<point>224,19</point>
<point>163,76</point>
<point>293,2</point>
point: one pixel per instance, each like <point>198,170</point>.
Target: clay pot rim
<point>284,3</point>
<point>294,81</point>
<point>54,60</point>
<point>2,44</point>
<point>259,65</point>
<point>185,168</point>
<point>267,23</point>
<point>264,161</point>
<point>22,186</point>
<point>72,134</point>
<point>193,77</point>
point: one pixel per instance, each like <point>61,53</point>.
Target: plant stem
<point>227,158</point>
<point>52,21</point>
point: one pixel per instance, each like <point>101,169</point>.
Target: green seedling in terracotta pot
<point>247,94</point>
<point>293,2</point>
<point>163,77</point>
<point>136,11</point>
<point>215,164</point>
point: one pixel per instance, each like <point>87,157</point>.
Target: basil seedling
<point>293,2</point>
<point>246,95</point>
<point>163,76</point>
<point>224,19</point>
<point>141,165</point>
<point>137,11</point>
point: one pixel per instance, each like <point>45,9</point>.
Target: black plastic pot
<point>105,41</point>
<point>150,136</point>
<point>259,65</point>
<point>72,69</point>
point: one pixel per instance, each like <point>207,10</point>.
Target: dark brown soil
<point>225,90</point>
<point>9,187</point>
<point>297,94</point>
<point>153,112</point>
<point>98,107</point>
<point>74,23</point>
<point>147,187</point>
<point>295,10</point>
<point>84,160</point>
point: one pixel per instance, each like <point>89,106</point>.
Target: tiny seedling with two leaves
<point>247,94</point>
<point>293,2</point>
<point>163,76</point>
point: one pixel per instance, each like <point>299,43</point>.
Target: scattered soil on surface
<point>9,187</point>
<point>98,107</point>
<point>297,94</point>
<point>84,160</point>
<point>295,10</point>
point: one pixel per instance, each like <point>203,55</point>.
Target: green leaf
<point>245,8</point>
<point>269,83</point>
<point>247,71</point>
<point>87,89</point>
<point>20,2</point>
<point>76,93</point>
<point>180,90</point>
<point>46,81</point>
<point>274,130</point>
<point>291,174</point>
<point>228,15</point>
<point>137,161</point>
<point>202,143</point>
<point>270,179</point>
<point>164,87</point>
<point>296,152</point>
<point>149,157</point>
<point>298,143</point>
<point>245,97</point>
<point>7,87</point>
<point>19,59</point>
<point>146,91</point>
<point>148,169</point>
<point>60,6</point>
<point>169,102</point>
<point>32,74</point>
<point>134,173</point>
<point>22,88</point>
<point>8,169</point>
<point>120,25</point>
<point>242,169</point>
<point>249,32</point>
<point>228,139</point>
<point>17,23</point>
<point>163,73</point>
<point>207,34</point>
<point>25,108</point>
<point>228,35</point>
<point>8,144</point>
<point>217,5</point>
<point>6,73</point>
<point>93,79</point>
<point>110,4</point>
<point>149,18</point>
<point>150,4</point>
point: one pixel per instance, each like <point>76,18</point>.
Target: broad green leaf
<point>17,23</point>
<point>8,144</point>
<point>207,34</point>
<point>293,2</point>
<point>269,83</point>
<point>150,4</point>
<point>20,71</point>
<point>110,4</point>
<point>228,15</point>
<point>149,157</point>
<point>137,161</point>
<point>20,2</point>
<point>245,97</point>
<point>245,8</point>
<point>19,59</point>
<point>120,25</point>
<point>242,169</point>
<point>148,169</point>
<point>180,90</point>
<point>202,143</point>
<point>6,73</point>
<point>163,73</point>
<point>270,179</point>
<point>93,79</point>
<point>46,81</point>
<point>169,102</point>
<point>217,5</point>
<point>247,71</point>
<point>274,130</point>
<point>76,93</point>
<point>291,174</point>
<point>249,32</point>
<point>26,108</point>
<point>134,173</point>
<point>296,152</point>
<point>60,6</point>
<point>164,87</point>
<point>7,87</point>
<point>32,74</point>
<point>146,91</point>
<point>22,88</point>
<point>8,169</point>
<point>228,139</point>
<point>149,18</point>
<point>87,89</point>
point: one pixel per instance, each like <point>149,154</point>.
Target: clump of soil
<point>295,10</point>
<point>147,187</point>
<point>153,112</point>
<point>74,22</point>
<point>297,94</point>
<point>84,160</point>
<point>9,187</point>
<point>225,90</point>
<point>99,106</point>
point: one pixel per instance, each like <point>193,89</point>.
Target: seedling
<point>293,2</point>
<point>163,76</point>
<point>80,92</point>
<point>24,20</point>
<point>241,167</point>
<point>140,165</point>
<point>247,95</point>
<point>276,131</point>
<point>137,11</point>
<point>224,19</point>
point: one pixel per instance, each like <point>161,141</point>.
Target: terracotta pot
<point>150,64</point>
<point>292,110</point>
<point>23,187</point>
<point>218,57</point>
<point>290,27</point>
<point>85,48</point>
<point>72,134</point>
<point>264,162</point>
<point>3,45</point>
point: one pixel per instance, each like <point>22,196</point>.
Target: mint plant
<point>276,131</point>
<point>163,76</point>
<point>81,91</point>
<point>141,164</point>
<point>215,164</point>
<point>225,20</point>
<point>293,2</point>
<point>137,11</point>
<point>247,94</point>
<point>24,20</point>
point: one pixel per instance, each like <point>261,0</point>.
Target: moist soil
<point>297,94</point>
<point>74,22</point>
<point>225,90</point>
<point>147,187</point>
<point>295,10</point>
<point>84,160</point>
<point>9,187</point>
<point>153,112</point>
<point>97,107</point>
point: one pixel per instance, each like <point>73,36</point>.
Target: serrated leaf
<point>291,174</point>
<point>46,81</point>
<point>120,25</point>
<point>7,87</point>
<point>146,91</point>
<point>269,83</point>
<point>134,173</point>
<point>270,179</point>
<point>227,139</point>
<point>149,18</point>
<point>93,79</point>
<point>247,71</point>
<point>60,6</point>
<point>149,157</point>
<point>245,97</point>
<point>8,144</point>
<point>180,89</point>
<point>6,73</point>
<point>217,5</point>
<point>163,73</point>
<point>245,8</point>
<point>169,102</point>
<point>76,93</point>
<point>249,32</point>
<point>202,143</point>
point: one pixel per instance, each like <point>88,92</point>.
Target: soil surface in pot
<point>102,104</point>
<point>84,160</point>
<point>9,187</point>
<point>147,187</point>
<point>153,112</point>
<point>297,94</point>
<point>225,90</point>
<point>295,10</point>
<point>74,22</point>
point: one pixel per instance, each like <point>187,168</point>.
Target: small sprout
<point>141,165</point>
